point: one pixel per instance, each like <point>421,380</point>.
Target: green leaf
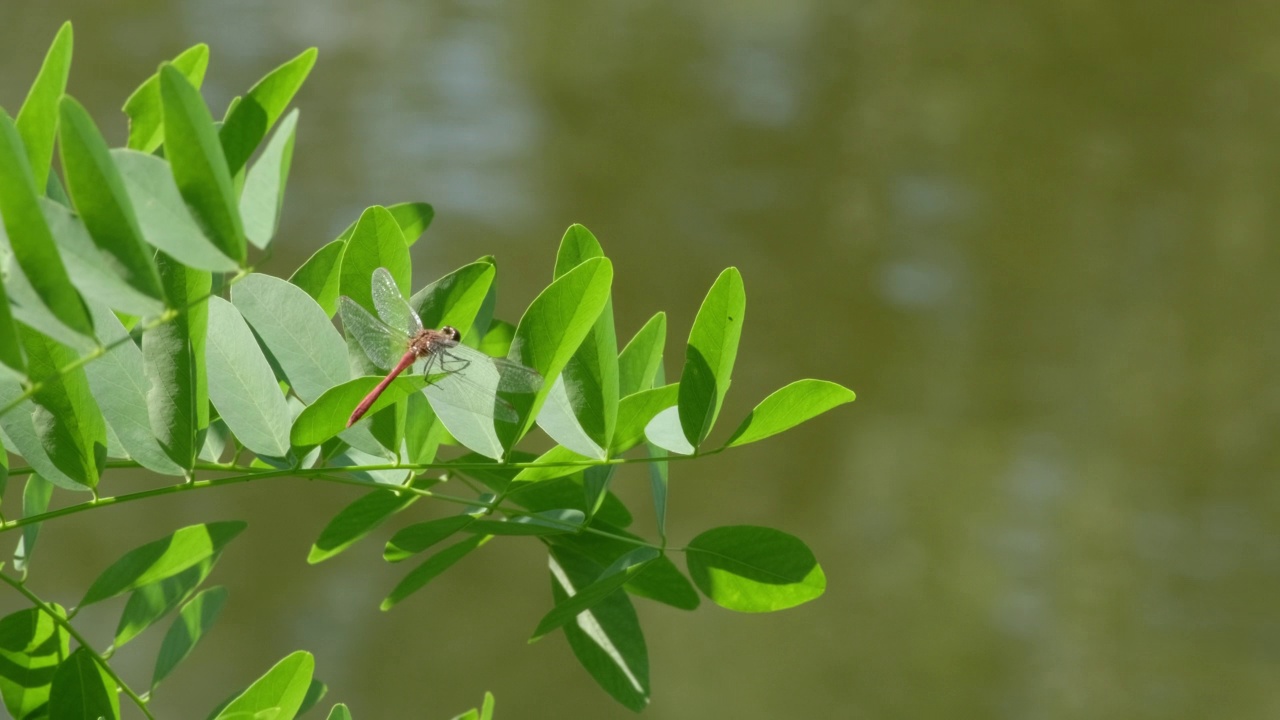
<point>556,323</point>
<point>173,357</point>
<point>547,522</point>
<point>662,582</point>
<point>614,577</point>
<point>263,195</point>
<point>282,689</point>
<point>315,693</point>
<point>358,520</point>
<point>708,361</point>
<point>25,439</point>
<point>296,330</point>
<point>38,117</point>
<point>754,569</point>
<point>192,623</point>
<point>432,567</point>
<point>567,492</point>
<point>666,432</point>
<point>251,119</point>
<point>102,201</point>
<point>788,407</point>
<point>376,242</point>
<point>119,385</point>
<point>31,647</point>
<point>67,420</point>
<point>606,639</point>
<point>199,166</point>
<point>339,712</point>
<point>242,386</point>
<point>162,214</point>
<point>29,236</point>
<point>412,217</point>
<point>637,410</point>
<point>642,356</point>
<point>327,416</point>
<point>423,431</point>
<point>151,602</point>
<point>455,298</point>
<point>93,271</point>
<point>144,108</point>
<point>417,537</point>
<point>319,276</point>
<point>486,708</point>
<point>35,501</point>
<point>10,349</point>
<point>162,558</point>
<point>82,689</point>
<point>552,460</point>
<point>4,468</point>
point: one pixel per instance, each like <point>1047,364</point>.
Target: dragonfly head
<point>451,333</point>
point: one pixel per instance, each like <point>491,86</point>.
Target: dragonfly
<point>396,341</point>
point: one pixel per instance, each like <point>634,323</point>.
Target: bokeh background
<point>1038,239</point>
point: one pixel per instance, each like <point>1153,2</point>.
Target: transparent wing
<point>390,304</point>
<point>471,380</point>
<point>384,345</point>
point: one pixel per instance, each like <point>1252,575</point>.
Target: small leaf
<point>319,276</point>
<point>666,432</point>
<point>558,420</point>
<point>162,214</point>
<point>191,625</point>
<point>282,690</point>
<point>162,558</point>
<point>151,602</point>
<point>146,114</point>
<point>29,236</point>
<point>315,693</point>
<point>120,385</point>
<point>199,166</point>
<point>567,492</point>
<point>31,647</point>
<point>242,386</point>
<point>339,712</point>
<point>10,348</point>
<point>296,330</point>
<point>613,578</point>
<point>376,242</point>
<point>788,407</point>
<point>754,569</point>
<point>93,271</point>
<point>82,689</point>
<point>708,361</point>
<point>606,639</point>
<point>263,195</point>
<point>102,201</point>
<point>637,410</point>
<point>662,582</point>
<point>38,117</point>
<point>66,417</point>
<point>26,440</point>
<point>455,298</point>
<point>251,119</point>
<point>327,416</point>
<point>417,537</point>
<point>556,462</point>
<point>35,501</point>
<point>547,522</point>
<point>358,520</point>
<point>432,567</point>
<point>412,217</point>
<point>642,356</point>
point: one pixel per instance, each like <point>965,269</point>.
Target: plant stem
<point>66,625</point>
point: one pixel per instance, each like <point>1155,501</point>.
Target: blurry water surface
<point>1039,241</point>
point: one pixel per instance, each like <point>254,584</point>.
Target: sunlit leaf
<point>754,569</point>
<point>251,119</point>
<point>199,166</point>
<point>640,359</point>
<point>146,114</point>
<point>709,356</point>
<point>162,558</point>
<point>151,602</point>
<point>103,203</point>
<point>376,242</point>
<point>263,195</point>
<point>665,431</point>
<point>412,217</point>
<point>606,639</point>
<point>31,647</point>
<point>328,415</point>
<point>35,501</point>
<point>661,582</point>
<point>557,419</point>
<point>282,689</point>
<point>788,407</point>
<point>455,298</point>
<point>38,117</point>
<point>637,410</point>
<point>192,623</point>
<point>82,689</point>
<point>431,568</point>
<point>587,596</point>
<point>556,462</point>
<point>242,386</point>
<point>339,712</point>
<point>320,275</point>
<point>66,417</point>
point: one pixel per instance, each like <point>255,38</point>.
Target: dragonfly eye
<point>452,333</point>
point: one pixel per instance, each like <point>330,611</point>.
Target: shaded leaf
<point>92,270</point>
<point>610,580</point>
<point>315,693</point>
<point>145,111</point>
<point>192,623</point>
<point>38,118</point>
<point>709,356</point>
<point>431,568</point>
<point>359,519</point>
<point>636,411</point>
<point>263,195</point>
<point>151,602</point>
<point>242,386</point>
<point>162,558</point>
<point>32,646</point>
<point>249,121</point>
<point>173,357</point>
<point>10,348</point>
<point>339,712</point>
<point>661,582</point>
<point>82,689</point>
<point>35,501</point>
<point>25,439</point>
<point>417,537</point>
<point>547,522</point>
<point>754,569</point>
<point>66,418</point>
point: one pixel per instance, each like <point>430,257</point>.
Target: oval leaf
<point>187,629</point>
<point>162,558</point>
<point>82,689</point>
<point>708,360</point>
<point>754,569</point>
<point>788,407</point>
<point>376,242</point>
<point>242,386</point>
<point>249,120</point>
<point>263,195</point>
<point>320,276</point>
<point>32,646</point>
<point>454,299</point>
<point>146,114</point>
<point>92,270</point>
<point>151,602</point>
<point>327,416</point>
<point>67,419</point>
<point>665,431</point>
<point>282,689</point>
<point>639,360</point>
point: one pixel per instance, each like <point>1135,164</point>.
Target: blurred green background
<point>1038,240</point>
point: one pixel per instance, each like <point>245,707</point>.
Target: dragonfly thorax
<point>429,342</point>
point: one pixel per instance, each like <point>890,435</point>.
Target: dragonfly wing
<point>383,345</point>
<point>476,393</point>
<point>391,305</point>
<point>510,376</point>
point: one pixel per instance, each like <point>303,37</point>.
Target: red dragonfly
<point>397,341</point>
